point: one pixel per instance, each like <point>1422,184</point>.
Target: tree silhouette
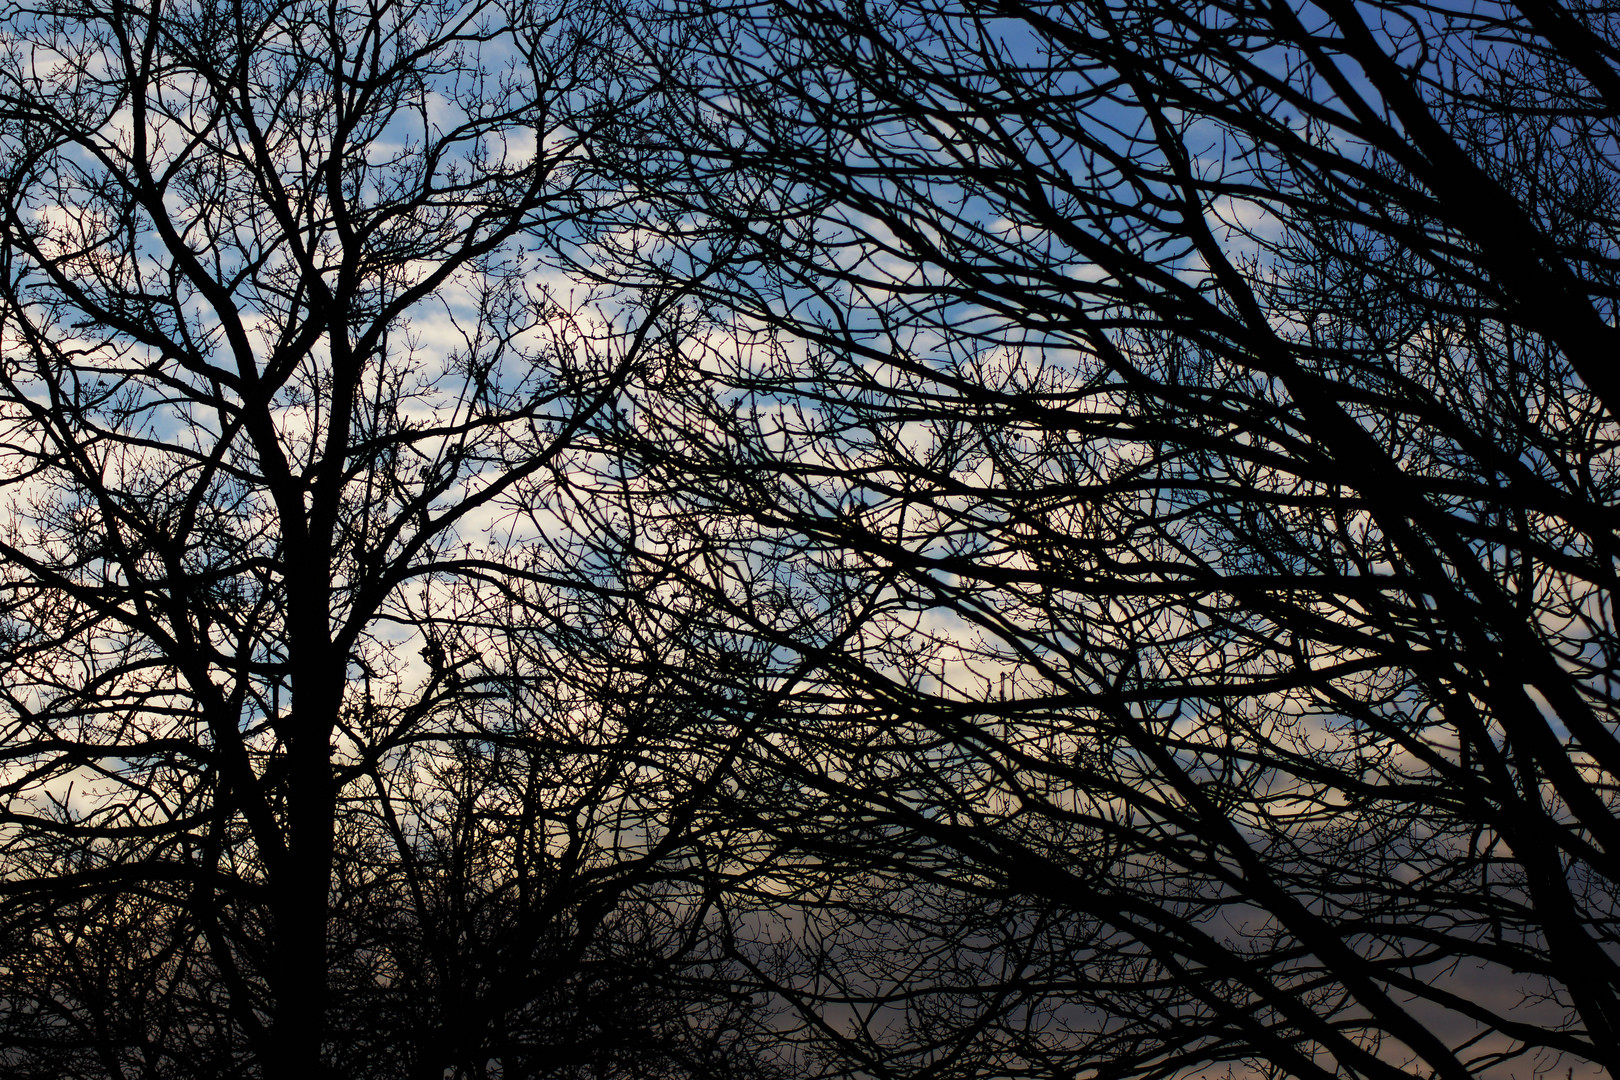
<point>1171,445</point>
<point>1064,539</point>
<point>327,751</point>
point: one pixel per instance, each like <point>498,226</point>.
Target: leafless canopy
<point>871,539</point>
<point>1175,441</point>
<point>312,763</point>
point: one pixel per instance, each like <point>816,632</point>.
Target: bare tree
<point>326,749</point>
<point>1172,447</point>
